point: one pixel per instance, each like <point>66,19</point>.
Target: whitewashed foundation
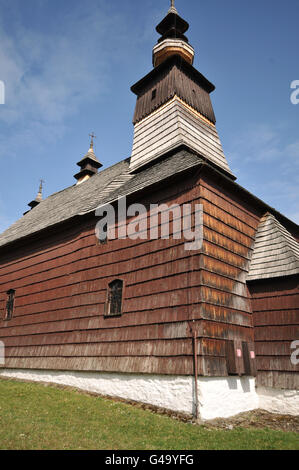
<point>226,396</point>
<point>279,401</point>
<point>218,397</point>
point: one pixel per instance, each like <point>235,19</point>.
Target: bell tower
<point>173,107</point>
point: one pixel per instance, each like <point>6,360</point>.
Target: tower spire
<point>39,196</point>
<point>173,108</point>
<point>172,8</point>
<point>173,40</point>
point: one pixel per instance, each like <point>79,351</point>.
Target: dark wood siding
<point>229,230</point>
<point>61,285</point>
<point>275,305</point>
<point>167,84</point>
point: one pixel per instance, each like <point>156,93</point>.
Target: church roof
<point>115,182</point>
<point>102,188</point>
<point>276,252</point>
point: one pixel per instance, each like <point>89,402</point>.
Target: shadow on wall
<point>245,383</point>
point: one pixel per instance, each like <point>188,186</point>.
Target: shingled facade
<point>192,331</point>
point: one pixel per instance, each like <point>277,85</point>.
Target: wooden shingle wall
<point>172,125</point>
<point>61,284</point>
<point>276,325</point>
<point>229,230</point>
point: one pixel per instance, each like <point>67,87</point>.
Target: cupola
<point>173,40</point>
<point>89,164</point>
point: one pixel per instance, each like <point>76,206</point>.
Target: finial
<point>172,8</point>
<point>39,196</point>
<point>92,136</point>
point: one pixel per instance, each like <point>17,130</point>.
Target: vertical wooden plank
<point>230,358</point>
<point>239,357</point>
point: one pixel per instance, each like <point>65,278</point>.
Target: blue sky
<point>68,66</point>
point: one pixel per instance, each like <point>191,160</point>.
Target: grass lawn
<point>34,416</point>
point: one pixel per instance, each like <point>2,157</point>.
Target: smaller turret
<point>89,164</point>
<point>39,196</point>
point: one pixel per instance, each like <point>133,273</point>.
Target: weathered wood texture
<point>174,77</point>
<point>61,285</point>
<point>229,230</point>
<point>175,124</point>
<point>275,306</point>
<point>276,251</point>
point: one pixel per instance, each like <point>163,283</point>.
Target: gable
<point>276,252</point>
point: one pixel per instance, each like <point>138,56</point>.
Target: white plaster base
<point>218,397</point>
<point>279,401</point>
<point>226,396</point>
<point>171,392</point>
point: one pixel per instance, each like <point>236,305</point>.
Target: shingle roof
<point>106,186</point>
<point>109,185</point>
<point>276,252</point>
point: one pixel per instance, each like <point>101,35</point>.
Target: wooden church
<point>207,332</point>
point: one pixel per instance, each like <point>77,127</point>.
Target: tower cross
<point>39,196</point>
<point>41,185</point>
<point>92,136</point>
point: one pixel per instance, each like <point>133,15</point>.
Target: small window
<point>114,301</point>
<point>10,304</point>
<point>154,94</point>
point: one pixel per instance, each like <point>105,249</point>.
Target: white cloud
<point>257,143</point>
<point>51,73</point>
<point>268,165</point>
<point>48,77</point>
<point>293,150</point>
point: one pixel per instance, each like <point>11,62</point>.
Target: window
<point>10,304</point>
<point>114,300</point>
<point>154,94</point>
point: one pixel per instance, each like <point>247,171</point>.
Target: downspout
<point>194,338</point>
<point>195,343</point>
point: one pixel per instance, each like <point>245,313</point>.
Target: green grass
<point>34,416</point>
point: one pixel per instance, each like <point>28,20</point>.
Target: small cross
<point>41,185</point>
<point>92,137</point>
<point>172,3</point>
